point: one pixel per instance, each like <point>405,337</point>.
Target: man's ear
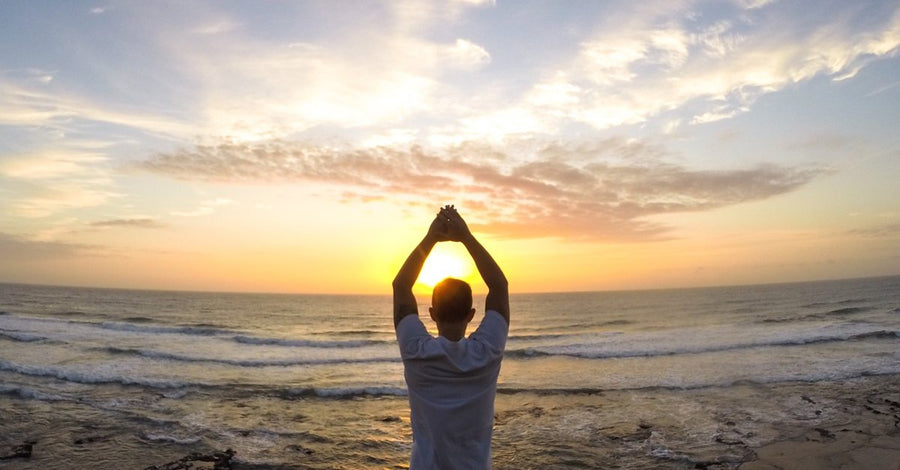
<point>431,313</point>
<point>471,316</point>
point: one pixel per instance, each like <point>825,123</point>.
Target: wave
<point>183,330</point>
<point>29,393</point>
<point>538,337</point>
<point>304,343</point>
<point>837,302</point>
<point>345,392</point>
<point>75,313</point>
<point>135,324</point>
<point>848,310</point>
<point>696,386</point>
<point>138,320</point>
<point>351,332</point>
<point>145,325</point>
<point>386,391</point>
<point>172,439</point>
<point>149,353</point>
<point>90,377</point>
<point>20,337</point>
<point>589,351</point>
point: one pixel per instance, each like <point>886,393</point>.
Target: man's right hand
<point>457,229</point>
<point>440,231</point>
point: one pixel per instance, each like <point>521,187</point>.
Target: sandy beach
<point>846,425</point>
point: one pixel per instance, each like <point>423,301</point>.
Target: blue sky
<point>649,144</point>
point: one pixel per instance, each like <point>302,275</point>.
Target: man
<point>452,380</point>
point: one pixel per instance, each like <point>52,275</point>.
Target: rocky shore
<point>838,425</point>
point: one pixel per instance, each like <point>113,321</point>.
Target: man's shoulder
<point>415,341</point>
<point>410,327</point>
<point>493,321</point>
<point>492,333</point>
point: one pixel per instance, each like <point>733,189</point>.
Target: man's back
<point>452,380</point>
<point>451,392</point>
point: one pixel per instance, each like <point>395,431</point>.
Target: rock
<point>299,448</point>
<point>219,460</point>
<point>89,440</point>
<point>21,451</point>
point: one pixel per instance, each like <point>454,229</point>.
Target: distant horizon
<point>420,290</point>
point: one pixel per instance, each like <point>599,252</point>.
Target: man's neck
<point>452,333</point>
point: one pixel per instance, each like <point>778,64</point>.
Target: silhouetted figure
<point>452,380</point>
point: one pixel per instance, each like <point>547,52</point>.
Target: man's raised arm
<point>498,288</point>
<point>404,300</point>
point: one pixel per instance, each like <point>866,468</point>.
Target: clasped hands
<point>448,226</point>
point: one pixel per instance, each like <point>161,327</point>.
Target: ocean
<point>106,378</point>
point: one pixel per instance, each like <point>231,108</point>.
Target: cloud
<point>135,222</point>
<point>706,66</point>
<point>47,200</point>
<point>206,208</point>
<point>216,27</point>
<point>16,248</point>
<point>466,54</point>
<point>56,179</point>
<point>48,165</point>
<point>415,64</point>
<point>878,231</point>
<point>883,88</point>
<point>753,4</point>
<point>605,190</point>
<point>25,105</point>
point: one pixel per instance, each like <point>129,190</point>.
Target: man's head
<point>451,302</point>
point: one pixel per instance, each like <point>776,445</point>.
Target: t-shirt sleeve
<point>411,334</point>
<point>492,331</point>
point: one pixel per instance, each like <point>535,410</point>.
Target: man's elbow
<point>499,284</point>
<point>399,284</point>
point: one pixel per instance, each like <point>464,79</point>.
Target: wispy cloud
<point>711,68</point>
<point>133,222</point>
<point>15,248</point>
<point>590,191</point>
<point>878,231</point>
<point>205,208</point>
<point>646,59</point>
<point>884,88</point>
<point>56,179</point>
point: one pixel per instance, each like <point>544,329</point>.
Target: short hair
<point>451,300</point>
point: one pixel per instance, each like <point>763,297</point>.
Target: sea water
<point>249,371</point>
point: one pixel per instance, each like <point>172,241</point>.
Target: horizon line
<point>335,294</point>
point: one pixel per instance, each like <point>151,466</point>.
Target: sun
<point>443,263</point>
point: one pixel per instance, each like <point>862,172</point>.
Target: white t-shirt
<point>451,392</point>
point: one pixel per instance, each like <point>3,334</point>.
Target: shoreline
<point>842,425</point>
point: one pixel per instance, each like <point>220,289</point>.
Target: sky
<point>305,146</point>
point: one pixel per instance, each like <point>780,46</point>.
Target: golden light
<point>443,263</point>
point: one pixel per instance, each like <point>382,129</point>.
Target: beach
<point>852,424</point>
<point>787,376</point>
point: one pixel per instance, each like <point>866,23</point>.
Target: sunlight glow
<point>442,264</point>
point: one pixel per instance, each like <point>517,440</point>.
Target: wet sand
<point>846,425</point>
